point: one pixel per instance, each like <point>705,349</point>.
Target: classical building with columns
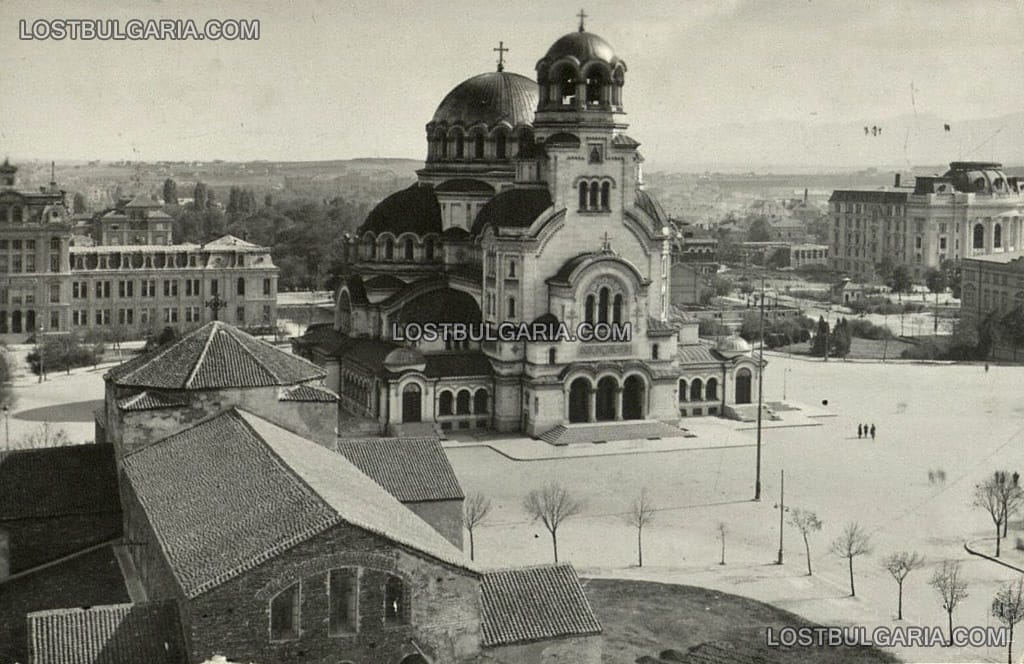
<point>972,210</point>
<point>531,208</point>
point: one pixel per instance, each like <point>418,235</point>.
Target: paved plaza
<point>959,419</point>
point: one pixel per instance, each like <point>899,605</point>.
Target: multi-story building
<point>972,210</point>
<point>132,279</point>
<point>991,284</point>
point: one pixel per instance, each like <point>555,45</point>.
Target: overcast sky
<point>336,80</point>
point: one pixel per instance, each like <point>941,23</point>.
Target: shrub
<point>865,329</point>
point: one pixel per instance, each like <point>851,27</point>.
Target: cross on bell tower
<point>501,55</point>
<point>582,16</point>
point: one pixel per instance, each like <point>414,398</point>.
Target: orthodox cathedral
<point>530,208</point>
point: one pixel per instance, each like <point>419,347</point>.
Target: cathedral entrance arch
<point>411,397</point>
<point>634,395</point>
<point>606,388</point>
<point>743,379</point>
<point>579,393</point>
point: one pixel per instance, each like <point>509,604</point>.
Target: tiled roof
<point>230,242</point>
<point>307,393</point>
<point>149,401</point>
<point>235,490</point>
<point>115,634</point>
<point>535,603</point>
<point>58,481</point>
<point>216,355</point>
<point>411,469</point>
<point>696,354</point>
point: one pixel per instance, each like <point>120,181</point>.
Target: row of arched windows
<point>456,144</point>
<point>463,403</point>
<point>604,307</point>
<point>595,196</point>
<point>979,236</point>
<point>387,248</point>
<point>596,86</point>
<point>698,390</point>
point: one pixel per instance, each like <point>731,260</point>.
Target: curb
<point>971,551</point>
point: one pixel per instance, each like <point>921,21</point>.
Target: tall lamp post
<point>42,354</point>
<point>760,397</point>
<point>7,428</point>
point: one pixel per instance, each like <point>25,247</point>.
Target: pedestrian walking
<point>872,431</point>
<point>860,430</point>
<point>986,367</point>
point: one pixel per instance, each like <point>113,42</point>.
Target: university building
<point>129,277</point>
<point>972,210</point>
<point>991,284</point>
<point>531,209</point>
<point>220,513</point>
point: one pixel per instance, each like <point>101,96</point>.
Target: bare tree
<point>852,543</point>
<point>806,522</point>
<point>552,505</point>
<point>641,514</point>
<point>900,565</point>
<point>1008,608</point>
<point>1010,495</point>
<point>475,511</point>
<point>951,587</point>
<point>723,530</point>
<point>989,496</point>
<point>46,435</point>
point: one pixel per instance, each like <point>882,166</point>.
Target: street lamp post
<point>7,427</point>
<point>785,373</point>
<point>42,354</point>
<point>760,397</point>
<point>782,510</point>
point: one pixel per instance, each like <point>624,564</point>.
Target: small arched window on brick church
<point>396,609</point>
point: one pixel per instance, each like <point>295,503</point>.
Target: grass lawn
<point>860,349</point>
<point>642,618</point>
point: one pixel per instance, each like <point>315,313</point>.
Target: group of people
<point>863,431</point>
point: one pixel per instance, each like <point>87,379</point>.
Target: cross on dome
<point>501,55</point>
<point>582,16</point>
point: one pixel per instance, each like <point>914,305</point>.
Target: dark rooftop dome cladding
<point>412,210</point>
<point>649,204</point>
<point>513,208</point>
<point>440,306</point>
<point>584,47</point>
<point>497,96</point>
<point>978,177</point>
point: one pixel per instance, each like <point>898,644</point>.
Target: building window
<point>588,312</point>
<point>511,307</point>
<point>462,403</point>
<point>979,236</point>
<point>389,250</point>
<point>148,288</point>
<point>170,288</point>
<point>102,289</point>
<point>145,315</point>
<point>126,316</point>
<point>997,236</point>
<point>480,401</point>
<point>478,146</point>
<point>343,595</point>
<point>552,354</point>
<point>395,609</point>
<point>241,286</point>
<point>126,288</point>
<point>654,351</point>
<point>54,320</point>
<point>284,615</point>
<point>54,293</point>
<point>192,314</point>
<point>213,286</point>
<point>171,315</point>
<point>30,263</point>
<point>512,269</point>
<point>444,403</point>
<point>266,286</point>
<point>240,315</point>
<point>54,263</point>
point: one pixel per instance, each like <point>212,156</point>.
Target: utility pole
<point>760,398</point>
<point>828,311</point>
<point>782,510</point>
<point>42,352</point>
<point>7,428</point>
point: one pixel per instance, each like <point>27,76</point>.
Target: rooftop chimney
<point>896,181</point>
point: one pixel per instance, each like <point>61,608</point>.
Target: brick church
<point>221,514</point>
<point>530,208</point>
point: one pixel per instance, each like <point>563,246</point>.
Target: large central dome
<point>489,99</point>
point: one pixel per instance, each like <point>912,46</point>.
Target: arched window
<point>588,312</point>
<point>997,236</point>
<point>654,351</point>
<point>389,249</point>
<point>552,356</point>
<point>371,248</point>
<point>602,306</point>
<point>440,144</point>
<point>512,268</point>
<point>606,190</point>
<point>343,594</point>
<point>478,146</point>
<point>407,249</point>
<point>617,309</point>
<point>460,146</point>
<point>396,610</point>
<point>595,87</point>
<point>429,249</point>
<point>594,194</point>
<point>444,403</point>
<point>979,236</point>
<point>696,389</point>
<point>511,307</point>
<point>480,401</point>
<point>583,195</point>
<point>711,390</point>
<point>500,145</point>
<point>462,403</point>
<point>682,389</point>
<point>566,87</point>
<point>17,214</point>
<point>284,614</point>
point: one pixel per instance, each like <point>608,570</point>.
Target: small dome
<point>733,346</point>
<point>489,99</point>
<point>583,47</point>
<point>410,210</point>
